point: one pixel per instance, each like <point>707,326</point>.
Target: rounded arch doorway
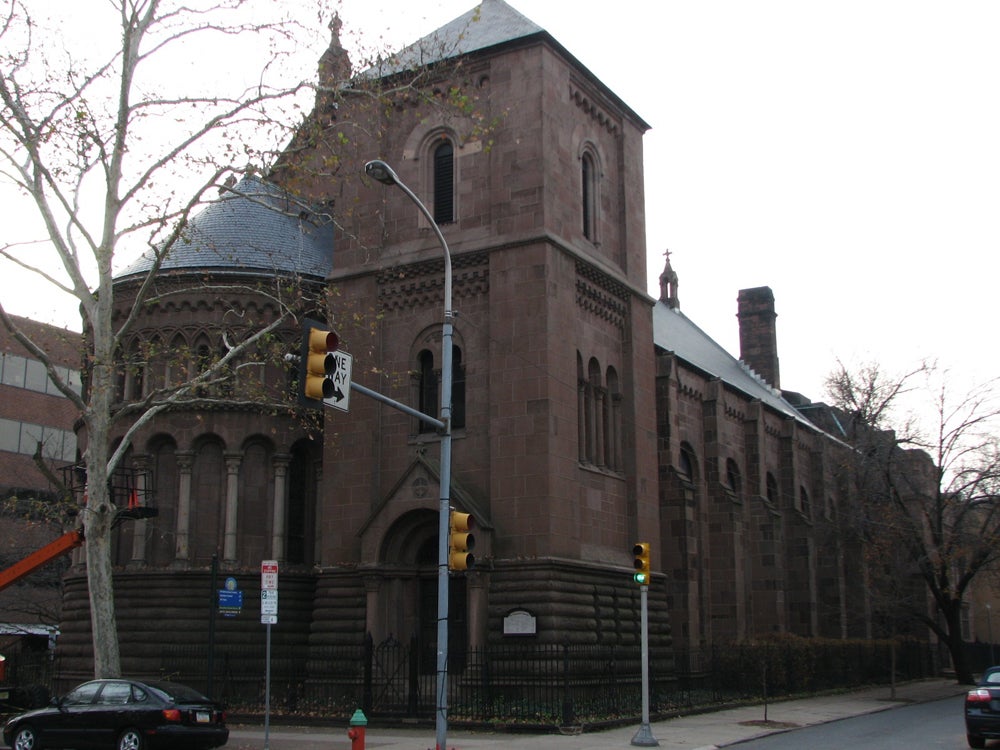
<point>407,591</point>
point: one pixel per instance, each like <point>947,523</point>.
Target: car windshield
<point>177,693</point>
<point>991,678</point>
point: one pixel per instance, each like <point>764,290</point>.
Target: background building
<point>37,437</point>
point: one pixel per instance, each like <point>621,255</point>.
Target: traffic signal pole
<point>644,736</point>
<point>383,173</point>
<point>643,573</point>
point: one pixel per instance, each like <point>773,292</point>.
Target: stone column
<point>185,462</point>
<point>281,461</point>
<point>232,506</point>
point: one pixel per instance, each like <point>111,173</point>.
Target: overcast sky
<point>845,153</point>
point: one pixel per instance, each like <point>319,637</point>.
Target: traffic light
<point>316,364</point>
<point>460,541</point>
<point>640,553</point>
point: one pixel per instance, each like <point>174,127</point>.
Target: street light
<point>382,172</point>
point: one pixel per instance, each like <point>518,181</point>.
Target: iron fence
<point>522,684</point>
<point>546,685</point>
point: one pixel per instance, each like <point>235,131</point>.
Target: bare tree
<point>926,479</point>
<point>114,149</point>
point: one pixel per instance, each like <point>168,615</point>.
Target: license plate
<point>203,717</point>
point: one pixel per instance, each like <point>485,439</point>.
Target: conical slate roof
<point>253,228</point>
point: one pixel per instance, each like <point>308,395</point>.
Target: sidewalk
<point>699,732</point>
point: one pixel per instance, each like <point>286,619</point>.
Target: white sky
<point>845,153</point>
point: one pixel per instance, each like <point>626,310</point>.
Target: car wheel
<point>974,741</point>
<point>130,739</point>
<point>25,739</point>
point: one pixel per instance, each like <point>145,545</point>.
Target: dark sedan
<point>982,710</point>
<point>122,714</point>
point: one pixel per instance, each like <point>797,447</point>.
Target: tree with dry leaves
<point>115,126</point>
<point>926,473</point>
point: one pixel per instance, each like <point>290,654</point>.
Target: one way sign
<point>341,377</point>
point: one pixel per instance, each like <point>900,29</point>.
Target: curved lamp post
<point>383,173</point>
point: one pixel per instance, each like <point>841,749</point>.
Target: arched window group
<point>600,415</point>
<point>147,365</point>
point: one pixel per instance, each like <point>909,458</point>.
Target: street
<point>925,726</point>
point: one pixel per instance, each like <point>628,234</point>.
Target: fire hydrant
<point>356,734</point>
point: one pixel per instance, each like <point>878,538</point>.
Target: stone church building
<point>587,415</point>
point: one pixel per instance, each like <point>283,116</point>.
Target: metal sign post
<point>268,616</point>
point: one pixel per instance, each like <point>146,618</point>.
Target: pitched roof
<point>675,332</point>
<point>489,24</point>
<point>254,228</point>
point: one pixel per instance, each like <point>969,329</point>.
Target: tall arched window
<point>589,196</point>
<point>457,389</point>
<point>687,467</point>
<point>771,488</point>
<point>444,183</point>
<point>734,481</point>
<point>613,422</point>
<point>429,395</point>
<point>428,399</point>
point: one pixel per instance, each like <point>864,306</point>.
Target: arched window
<point>734,482</point>
<point>202,362</point>
<point>177,365</point>
<point>428,399</point>
<point>804,505</point>
<point>134,381</point>
<point>688,466</point>
<point>301,505</point>
<point>457,389</point>
<point>589,196</point>
<point>613,422</point>
<point>429,395</point>
<point>771,488</point>
<point>444,183</point>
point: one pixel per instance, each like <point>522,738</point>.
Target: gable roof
<point>254,228</point>
<point>674,332</point>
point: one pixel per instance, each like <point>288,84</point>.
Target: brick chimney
<point>758,334</point>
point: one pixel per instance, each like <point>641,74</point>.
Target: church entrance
<point>410,602</point>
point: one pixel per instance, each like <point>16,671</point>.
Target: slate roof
<point>490,24</point>
<point>254,228</point>
<point>673,331</point>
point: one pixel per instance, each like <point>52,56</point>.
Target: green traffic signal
<point>640,554</point>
